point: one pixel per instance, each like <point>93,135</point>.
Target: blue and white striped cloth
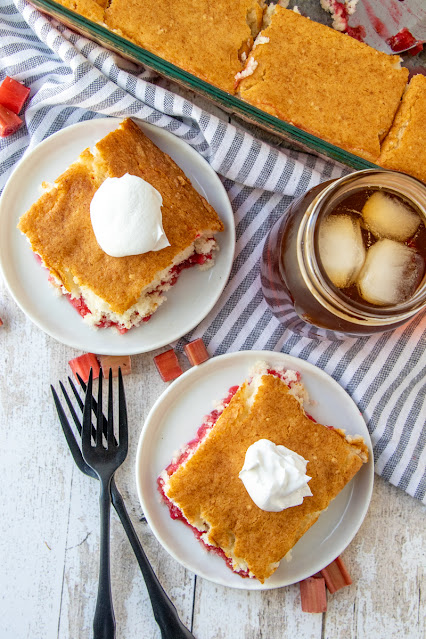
<point>73,79</point>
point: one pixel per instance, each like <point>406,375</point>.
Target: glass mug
<point>294,281</point>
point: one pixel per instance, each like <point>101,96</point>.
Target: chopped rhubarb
<point>336,575</point>
<point>114,363</point>
<point>81,365</point>
<point>168,366</point>
<point>9,122</point>
<point>196,352</point>
<point>13,94</point>
<point>313,594</point>
<point>402,41</point>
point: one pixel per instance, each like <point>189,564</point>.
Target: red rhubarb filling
<point>404,40</point>
<point>340,10</point>
<point>282,376</point>
<point>83,310</point>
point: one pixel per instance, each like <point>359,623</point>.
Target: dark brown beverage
<point>293,275</point>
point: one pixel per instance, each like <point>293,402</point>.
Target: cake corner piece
<point>404,147</point>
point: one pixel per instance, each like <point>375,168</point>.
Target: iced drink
<point>350,255</point>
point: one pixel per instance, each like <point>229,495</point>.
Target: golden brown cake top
<point>325,82</point>
<point>207,487</point>
<point>404,148</point>
<point>90,9</point>
<point>204,38</point>
<point>59,228</point>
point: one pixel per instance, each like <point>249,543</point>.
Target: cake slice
<point>324,82</point>
<point>202,486</point>
<point>119,291</point>
<point>404,148</point>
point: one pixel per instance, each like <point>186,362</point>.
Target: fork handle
<point>164,611</point>
<point>104,620</point>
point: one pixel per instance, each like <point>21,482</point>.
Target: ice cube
<point>386,216</point>
<point>391,273</point>
<point>341,249</point>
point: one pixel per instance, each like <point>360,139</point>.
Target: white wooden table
<point>49,531</point>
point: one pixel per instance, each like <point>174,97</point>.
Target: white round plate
<point>188,302</point>
<point>174,420</point>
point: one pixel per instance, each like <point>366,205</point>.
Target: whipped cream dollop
<point>126,217</point>
<point>274,476</point>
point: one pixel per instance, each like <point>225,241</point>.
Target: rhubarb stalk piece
<point>13,94</point>
<point>168,366</point>
<point>313,594</point>
<point>114,363</point>
<point>336,575</point>
<point>196,352</point>
<point>9,122</point>
<point>81,366</point>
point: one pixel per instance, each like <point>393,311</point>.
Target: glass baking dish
<point>229,103</point>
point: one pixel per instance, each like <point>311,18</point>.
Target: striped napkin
<point>73,79</point>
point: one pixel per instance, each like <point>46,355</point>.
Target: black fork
<point>164,611</point>
<point>104,460</point>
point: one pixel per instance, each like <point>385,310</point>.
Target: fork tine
<point>81,405</point>
<point>75,391</point>
<point>110,424</point>
<point>69,436</point>
<point>82,382</point>
<point>122,413</point>
<point>99,415</point>
<point>71,408</point>
<point>62,417</point>
<point>86,433</point>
